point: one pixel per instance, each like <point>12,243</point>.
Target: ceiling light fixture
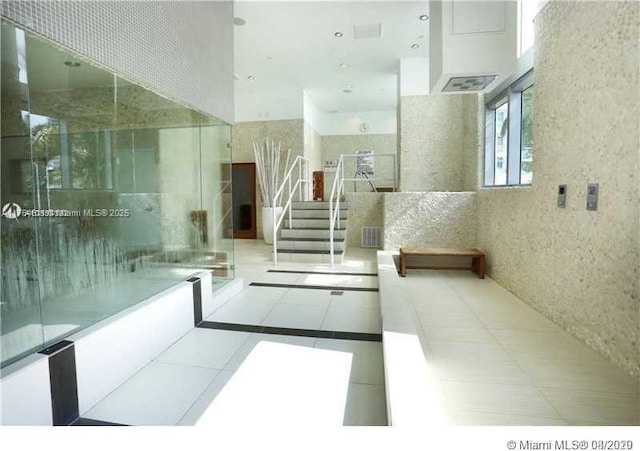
<point>423,17</point>
<point>338,34</point>
<point>415,46</point>
<point>72,63</point>
<point>251,77</point>
<point>344,65</point>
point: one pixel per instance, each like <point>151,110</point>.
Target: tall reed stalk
<point>269,159</point>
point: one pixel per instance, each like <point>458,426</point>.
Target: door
<point>243,196</point>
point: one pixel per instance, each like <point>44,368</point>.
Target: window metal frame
<point>513,96</point>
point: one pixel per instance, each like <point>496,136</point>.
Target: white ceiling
<point>290,47</point>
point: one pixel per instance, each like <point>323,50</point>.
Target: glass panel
<point>217,201</point>
<point>129,187</point>
<point>526,149</point>
<point>20,316</point>
<point>501,140</point>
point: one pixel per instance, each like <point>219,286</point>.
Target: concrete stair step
<point>315,213</point>
<point>304,256</point>
<point>310,245</point>
<point>306,223</point>
<point>320,233</point>
<point>316,205</point>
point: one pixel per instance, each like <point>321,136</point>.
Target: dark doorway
<point>243,178</point>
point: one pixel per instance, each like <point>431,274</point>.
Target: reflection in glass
<point>526,149</point>
<point>126,193</point>
<point>501,140</point>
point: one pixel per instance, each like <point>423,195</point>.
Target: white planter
<point>267,222</point>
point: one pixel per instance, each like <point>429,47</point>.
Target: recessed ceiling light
<point>72,63</point>
<point>415,46</point>
<point>344,65</point>
<point>251,77</point>
<point>348,86</point>
<point>338,34</point>
<point>239,21</point>
<point>423,17</point>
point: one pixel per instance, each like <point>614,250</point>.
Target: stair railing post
<point>289,202</point>
<point>275,233</point>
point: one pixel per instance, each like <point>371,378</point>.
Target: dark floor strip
<point>336,335</point>
<point>325,272</point>
<point>310,287</point>
<point>91,422</point>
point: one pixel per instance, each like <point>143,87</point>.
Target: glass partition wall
<point>110,193</point>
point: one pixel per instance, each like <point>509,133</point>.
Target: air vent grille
<point>371,237</point>
<point>469,84</point>
<point>369,31</point>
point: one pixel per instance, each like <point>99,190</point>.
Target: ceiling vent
<point>468,84</point>
<point>370,31</point>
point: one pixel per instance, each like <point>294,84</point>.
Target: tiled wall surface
<point>435,219</point>
<point>433,143</point>
<point>578,267</point>
<point>183,50</point>
<point>289,132</point>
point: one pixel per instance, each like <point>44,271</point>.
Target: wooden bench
<point>477,258</point>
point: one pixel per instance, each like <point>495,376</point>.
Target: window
<point>508,159</point>
<point>526,147</point>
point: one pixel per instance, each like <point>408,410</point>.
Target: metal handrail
<point>337,191</point>
<point>367,178</point>
<point>287,207</point>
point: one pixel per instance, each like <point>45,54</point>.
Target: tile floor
<point>497,361</point>
<point>500,362</point>
<point>205,372</point>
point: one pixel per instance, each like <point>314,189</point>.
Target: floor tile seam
<point>117,387</point>
<point>530,376</point>
<point>213,381</point>
<point>514,414</point>
<point>262,326</point>
<point>514,384</point>
<point>506,411</point>
<point>587,391</point>
<point>314,287</point>
<point>585,362</point>
<point>518,364</point>
<point>186,365</point>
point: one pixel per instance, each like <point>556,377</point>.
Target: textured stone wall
<point>432,141</point>
<point>365,210</point>
<point>244,134</point>
<point>183,50</point>
<point>435,219</point>
<point>473,141</point>
<point>580,268</point>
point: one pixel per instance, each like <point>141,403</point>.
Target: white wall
<point>477,38</point>
<point>414,77</point>
<point>380,123</point>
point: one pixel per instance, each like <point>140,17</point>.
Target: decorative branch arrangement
<point>268,162</point>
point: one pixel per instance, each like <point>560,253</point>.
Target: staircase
<point>308,238</point>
